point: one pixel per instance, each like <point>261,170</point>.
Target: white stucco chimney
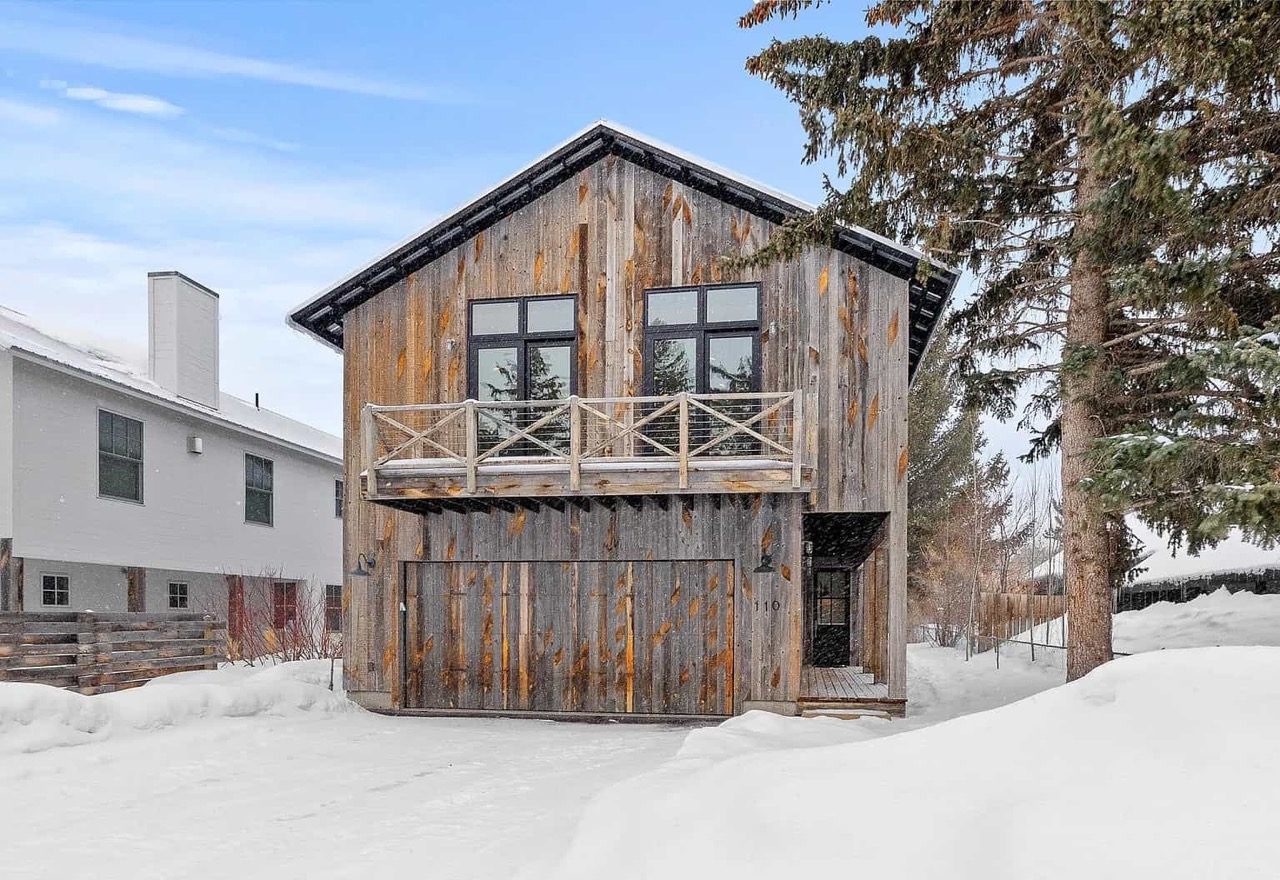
<point>183,336</point>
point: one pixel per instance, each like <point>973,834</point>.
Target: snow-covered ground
<point>1164,761</point>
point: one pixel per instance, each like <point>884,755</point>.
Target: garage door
<point>615,636</point>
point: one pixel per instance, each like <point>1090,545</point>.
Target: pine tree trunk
<point>1087,545</point>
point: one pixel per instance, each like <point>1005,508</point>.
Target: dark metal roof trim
<point>927,296</point>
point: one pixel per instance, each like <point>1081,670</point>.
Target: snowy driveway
<point>314,796</point>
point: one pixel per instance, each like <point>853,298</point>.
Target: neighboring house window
<point>55,589</point>
<point>259,492</point>
<point>333,607</point>
<point>119,456</point>
<point>179,598</point>
<point>338,492</point>
<point>284,604</point>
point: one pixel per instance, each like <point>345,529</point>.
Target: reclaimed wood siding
<point>588,636</point>
<point>831,326</point>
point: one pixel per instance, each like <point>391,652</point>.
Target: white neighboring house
<point>146,488</point>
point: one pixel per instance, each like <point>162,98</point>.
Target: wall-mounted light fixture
<point>364,565</point>
<point>766,563</point>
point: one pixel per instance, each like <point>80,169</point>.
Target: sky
<point>268,149</point>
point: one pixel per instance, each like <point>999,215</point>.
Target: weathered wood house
<point>593,473</point>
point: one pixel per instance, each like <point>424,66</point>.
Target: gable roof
<point>98,362</point>
<point>321,316</point>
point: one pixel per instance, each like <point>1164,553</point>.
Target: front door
<point>830,604</point>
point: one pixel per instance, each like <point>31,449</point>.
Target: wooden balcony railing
<point>579,445</point>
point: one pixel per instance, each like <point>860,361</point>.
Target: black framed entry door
<point>831,607</point>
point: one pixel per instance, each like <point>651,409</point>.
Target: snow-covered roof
<point>1231,555</point>
<point>111,361</point>
<point>321,315</point>
<point>1234,554</point>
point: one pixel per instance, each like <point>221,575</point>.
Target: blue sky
<point>266,149</point>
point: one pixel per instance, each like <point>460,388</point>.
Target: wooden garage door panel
<point>605,636</point>
<point>462,660</point>
<point>683,633</point>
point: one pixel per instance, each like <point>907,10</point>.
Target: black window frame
<point>339,494</point>
<point>333,608</point>
<point>112,415</point>
<point>61,592</point>
<point>270,491</point>
<point>520,340</point>
<point>702,331</point>
<point>182,594</point>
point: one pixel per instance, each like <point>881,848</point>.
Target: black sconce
<point>364,565</point>
<point>766,563</point>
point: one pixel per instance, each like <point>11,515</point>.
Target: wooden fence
<point>1007,615</point>
<point>98,653</point>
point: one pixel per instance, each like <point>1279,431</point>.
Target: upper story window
<point>55,589</point>
<point>259,489</point>
<point>523,348</point>
<point>119,456</point>
<point>339,491</point>
<point>179,596</point>
<point>703,340</point>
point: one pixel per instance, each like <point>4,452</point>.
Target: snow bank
<point>1161,765</point>
<point>1215,619</point>
<point>36,717</point>
<point>1219,618</point>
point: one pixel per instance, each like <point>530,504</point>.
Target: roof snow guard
<point>322,316</point>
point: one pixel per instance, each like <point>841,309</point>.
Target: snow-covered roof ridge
<point>86,353</point>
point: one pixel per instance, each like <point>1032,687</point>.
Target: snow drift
<point>35,717</point>
<point>1161,765</point>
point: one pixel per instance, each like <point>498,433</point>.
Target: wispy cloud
<point>248,138</point>
<point>95,46</point>
<point>22,113</point>
<point>143,105</point>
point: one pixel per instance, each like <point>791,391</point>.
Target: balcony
<point>424,456</point>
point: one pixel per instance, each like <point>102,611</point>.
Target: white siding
<point>192,515</point>
<point>183,345</point>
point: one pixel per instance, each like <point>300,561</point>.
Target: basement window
<point>259,489</point>
<point>179,596</point>
<point>55,590</point>
<point>119,456</point>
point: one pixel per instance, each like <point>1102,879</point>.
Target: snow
<point>1219,618</point>
<point>1232,554</point>
<point>1160,766</point>
<point>118,363</point>
<point>35,718</point>
<point>1212,620</point>
<point>1122,774</point>
<point>540,464</point>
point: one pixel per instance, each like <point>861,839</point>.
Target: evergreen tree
<point>939,443</point>
<point>1108,172</point>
